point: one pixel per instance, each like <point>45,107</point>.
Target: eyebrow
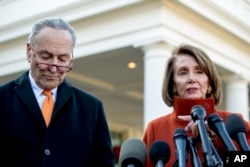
<point>51,54</point>
<point>185,67</point>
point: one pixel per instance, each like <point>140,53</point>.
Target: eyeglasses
<point>46,66</point>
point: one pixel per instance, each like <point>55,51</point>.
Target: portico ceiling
<point>108,38</point>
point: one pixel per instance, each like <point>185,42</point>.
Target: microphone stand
<point>217,159</point>
<point>206,146</point>
<point>194,155</point>
<point>198,114</point>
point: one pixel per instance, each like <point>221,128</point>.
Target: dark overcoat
<point>78,134</point>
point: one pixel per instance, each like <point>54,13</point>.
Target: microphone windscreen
<point>180,132</point>
<point>159,150</point>
<point>234,124</point>
<point>198,112</point>
<point>212,119</point>
<point>133,152</point>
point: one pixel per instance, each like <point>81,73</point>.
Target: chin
<point>194,97</point>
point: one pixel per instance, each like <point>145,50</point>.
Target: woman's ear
<point>174,91</point>
<point>209,89</point>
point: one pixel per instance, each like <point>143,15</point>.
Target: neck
<point>183,106</point>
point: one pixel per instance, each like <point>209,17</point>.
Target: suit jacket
<point>78,134</point>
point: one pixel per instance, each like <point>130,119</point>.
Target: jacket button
<point>47,152</point>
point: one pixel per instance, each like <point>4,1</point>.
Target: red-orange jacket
<point>163,128</point>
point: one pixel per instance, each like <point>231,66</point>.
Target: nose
<point>53,67</point>
<point>191,78</point>
<point>54,60</point>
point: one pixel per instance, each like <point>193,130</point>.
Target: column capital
<point>235,78</point>
<point>157,40</point>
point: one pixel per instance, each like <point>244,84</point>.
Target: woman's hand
<point>193,127</point>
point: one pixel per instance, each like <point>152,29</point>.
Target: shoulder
<point>160,121</point>
<point>20,80</point>
<point>8,86</point>
<point>77,93</point>
<point>83,93</point>
<point>224,114</point>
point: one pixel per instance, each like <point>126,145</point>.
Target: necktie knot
<point>47,93</point>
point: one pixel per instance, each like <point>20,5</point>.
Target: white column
<point>155,58</point>
<point>236,99</point>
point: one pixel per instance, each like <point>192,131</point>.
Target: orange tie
<point>47,106</point>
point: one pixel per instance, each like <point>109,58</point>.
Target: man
<point>74,133</point>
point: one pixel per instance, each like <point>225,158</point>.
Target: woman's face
<point>190,81</point>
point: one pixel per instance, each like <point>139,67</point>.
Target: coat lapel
<point>64,92</point>
<point>25,93</point>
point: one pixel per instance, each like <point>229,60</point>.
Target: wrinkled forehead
<point>195,59</point>
<point>54,40</point>
<point>54,36</point>
<point>185,60</point>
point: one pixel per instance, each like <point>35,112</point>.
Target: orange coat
<point>163,128</point>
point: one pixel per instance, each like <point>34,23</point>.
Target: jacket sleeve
<point>103,152</point>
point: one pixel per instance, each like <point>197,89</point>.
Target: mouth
<point>191,90</point>
<point>49,77</point>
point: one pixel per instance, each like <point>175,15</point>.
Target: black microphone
<point>133,153</point>
<point>193,151</point>
<point>180,141</point>
<point>216,124</point>
<point>237,131</point>
<point>198,114</point>
<point>159,153</point>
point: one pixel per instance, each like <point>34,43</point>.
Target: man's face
<point>54,47</point>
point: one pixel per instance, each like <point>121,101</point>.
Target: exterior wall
<point>108,25</point>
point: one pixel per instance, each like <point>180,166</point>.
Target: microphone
<point>217,159</point>
<point>133,153</point>
<point>216,124</point>
<point>237,131</point>
<point>195,158</point>
<point>159,153</point>
<point>198,114</point>
<point>180,141</point>
<point>193,151</point>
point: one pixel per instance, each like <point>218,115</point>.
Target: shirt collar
<point>36,89</point>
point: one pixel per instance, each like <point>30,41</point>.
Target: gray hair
<point>56,23</point>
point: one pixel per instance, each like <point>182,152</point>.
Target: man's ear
<point>28,52</point>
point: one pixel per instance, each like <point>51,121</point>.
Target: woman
<point>190,79</point>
